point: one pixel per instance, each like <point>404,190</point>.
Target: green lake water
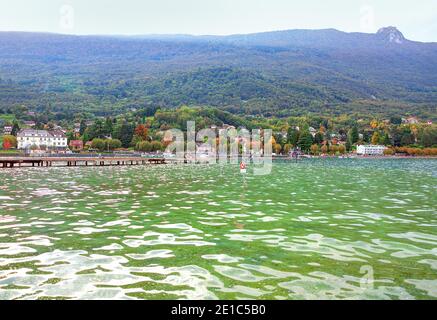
<point>317,229</point>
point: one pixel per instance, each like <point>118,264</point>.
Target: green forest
<point>143,130</point>
<point>280,74</point>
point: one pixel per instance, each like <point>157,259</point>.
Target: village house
<point>411,120</point>
<point>39,139</point>
<point>29,123</point>
<point>313,131</point>
<point>76,145</point>
<point>76,132</point>
<point>59,138</point>
<point>7,130</point>
<point>59,128</point>
<point>370,150</point>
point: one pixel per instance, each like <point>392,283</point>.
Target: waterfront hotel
<point>41,139</point>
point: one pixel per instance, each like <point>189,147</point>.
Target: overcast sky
<point>416,19</point>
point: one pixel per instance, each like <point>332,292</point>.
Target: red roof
<point>76,143</point>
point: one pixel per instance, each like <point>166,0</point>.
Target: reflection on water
<point>319,229</point>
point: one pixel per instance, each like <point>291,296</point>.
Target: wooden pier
<point>10,162</point>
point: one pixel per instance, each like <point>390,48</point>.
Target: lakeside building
<point>370,150</point>
<point>76,145</point>
<point>41,139</point>
<point>7,130</point>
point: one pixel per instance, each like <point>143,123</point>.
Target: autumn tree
<point>315,149</point>
<point>375,138</point>
<point>277,148</point>
<point>333,149</point>
<point>324,149</point>
<point>389,152</point>
<point>141,131</point>
<point>287,148</point>
<point>9,141</point>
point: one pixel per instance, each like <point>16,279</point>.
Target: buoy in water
<point>242,167</point>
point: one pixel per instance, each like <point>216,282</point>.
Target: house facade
<point>313,131</point>
<point>7,130</point>
<point>29,123</point>
<point>29,138</point>
<point>411,120</point>
<point>370,150</point>
<point>76,145</point>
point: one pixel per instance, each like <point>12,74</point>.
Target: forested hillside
<point>278,73</point>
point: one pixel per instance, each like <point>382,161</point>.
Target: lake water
<point>317,229</point>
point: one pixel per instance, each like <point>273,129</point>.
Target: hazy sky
<point>416,19</point>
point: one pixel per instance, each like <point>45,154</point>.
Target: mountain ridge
<point>211,36</point>
<point>291,70</point>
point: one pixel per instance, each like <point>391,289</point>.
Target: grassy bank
<point>11,153</point>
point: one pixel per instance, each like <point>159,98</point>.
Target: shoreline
<point>381,157</point>
<point>28,161</point>
<point>355,157</point>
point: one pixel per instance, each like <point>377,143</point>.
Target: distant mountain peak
<point>392,35</point>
